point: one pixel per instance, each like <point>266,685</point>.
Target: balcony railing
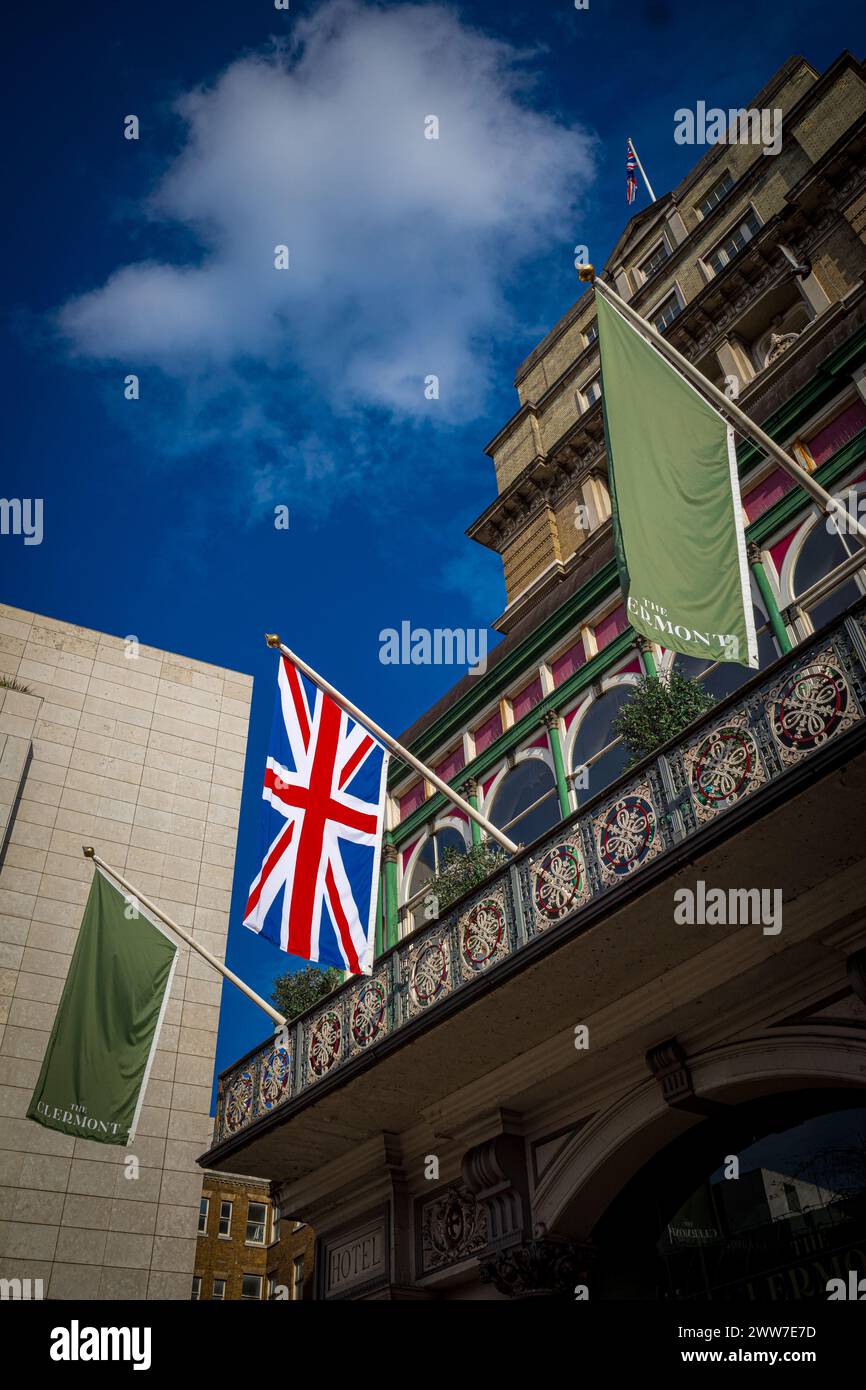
<point>755,738</point>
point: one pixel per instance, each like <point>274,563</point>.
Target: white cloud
<point>402,249</point>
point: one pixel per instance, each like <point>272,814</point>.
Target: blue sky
<point>305,388</point>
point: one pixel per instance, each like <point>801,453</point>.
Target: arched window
<point>525,803</point>
<point>596,746</point>
<point>822,550</point>
<point>795,1217</point>
<point>721,678</point>
<point>427,865</point>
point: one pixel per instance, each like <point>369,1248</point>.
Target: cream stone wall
<point>143,758</point>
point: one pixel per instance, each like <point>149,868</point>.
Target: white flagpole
<point>640,166</point>
<point>277,1018</point>
<point>493,831</point>
<point>741,421</point>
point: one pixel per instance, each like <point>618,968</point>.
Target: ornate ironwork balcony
<point>750,744</point>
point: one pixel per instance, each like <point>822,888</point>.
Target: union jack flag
<point>630,175</point>
<point>321,830</point>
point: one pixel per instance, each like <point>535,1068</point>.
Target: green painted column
<point>470,791</point>
<point>647,660</point>
<point>551,723</point>
<point>379,944</point>
<point>389,860</point>
<point>780,632</point>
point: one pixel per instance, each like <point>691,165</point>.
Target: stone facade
<point>140,753</point>
<point>805,198</point>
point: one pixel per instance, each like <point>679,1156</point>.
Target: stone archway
<point>610,1150</point>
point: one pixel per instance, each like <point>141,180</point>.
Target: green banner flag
<point>675,500</point>
<point>99,1054</point>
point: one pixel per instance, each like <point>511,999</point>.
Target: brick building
<point>140,753</point>
<point>438,1124</point>
<point>244,1250</point>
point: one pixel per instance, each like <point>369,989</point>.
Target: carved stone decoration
<point>668,1064</point>
<point>453,1228</point>
<point>544,1267</point>
<point>778,345</point>
<point>495,1171</point>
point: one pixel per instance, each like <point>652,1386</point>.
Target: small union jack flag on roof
<point>630,175</point>
<point>321,830</point>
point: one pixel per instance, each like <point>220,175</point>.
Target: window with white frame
<point>195,1293</point>
<point>219,1290</point>
<point>716,195</point>
<point>251,1286</point>
<point>590,333</point>
<point>722,678</point>
<point>298,1277</point>
<point>428,865</point>
<point>203,1208</point>
<point>656,258</point>
<point>598,755</point>
<point>667,311</point>
<point>257,1221</point>
<point>592,391</point>
<point>225,1226</point>
<point>822,545</point>
<point>734,242</point>
<point>275,1225</point>
<point>525,803</point>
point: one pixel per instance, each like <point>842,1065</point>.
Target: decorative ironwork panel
<point>239,1091</point>
<point>483,935</point>
<point>628,834</point>
<point>275,1084</point>
<point>559,883</point>
<point>324,1041</point>
<point>369,1010</point>
<point>723,766</point>
<point>428,970</point>
<point>811,705</point>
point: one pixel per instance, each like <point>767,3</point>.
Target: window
<point>592,392</point>
<point>693,1235</point>
<point>219,1290</point>
<point>667,311</point>
<point>203,1208</point>
<point>251,1287</point>
<point>734,242</point>
<point>822,550</point>
<point>275,1225</point>
<point>225,1219</point>
<point>526,804</point>
<point>428,864</point>
<point>722,678</point>
<point>298,1277</point>
<point>596,747</point>
<point>717,193</point>
<point>653,261</point>
<point>195,1294</point>
<point>257,1220</point>
<point>590,333</point>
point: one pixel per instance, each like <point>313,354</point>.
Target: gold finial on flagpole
<point>88,851</point>
<point>272,639</point>
<point>587,272</point>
